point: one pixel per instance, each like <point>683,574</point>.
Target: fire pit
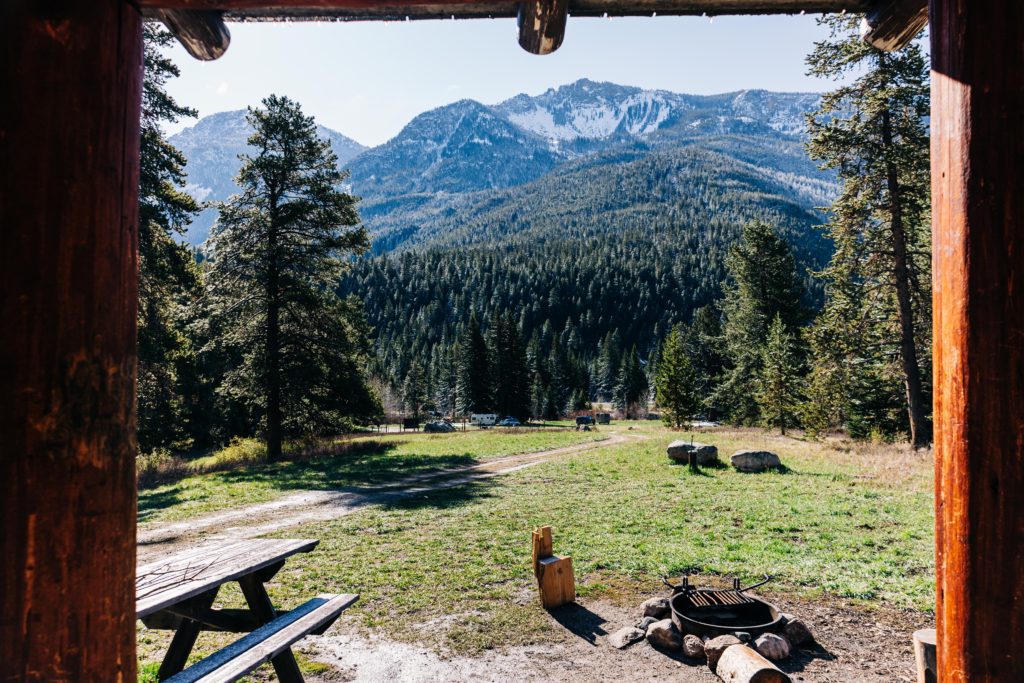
<point>714,612</point>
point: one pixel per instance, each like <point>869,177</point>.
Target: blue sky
<point>367,80</point>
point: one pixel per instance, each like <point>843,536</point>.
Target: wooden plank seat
<point>266,642</point>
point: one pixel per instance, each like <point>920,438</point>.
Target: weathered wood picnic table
<point>178,593</point>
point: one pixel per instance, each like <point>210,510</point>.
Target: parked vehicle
<point>483,419</point>
<point>439,427</point>
<point>510,422</point>
<point>604,418</point>
<point>584,420</point>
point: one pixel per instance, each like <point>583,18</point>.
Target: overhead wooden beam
<point>202,33</point>
<point>542,25</point>
<point>69,159</point>
<point>891,24</point>
<point>978,233</point>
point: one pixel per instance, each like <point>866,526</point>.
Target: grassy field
<point>452,568</point>
<point>374,461</point>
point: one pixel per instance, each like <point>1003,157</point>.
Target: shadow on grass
<point>152,501</point>
<point>451,493</point>
<point>580,621</point>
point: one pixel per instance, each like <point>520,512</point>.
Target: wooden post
<point>978,217</point>
<point>554,574</point>
<point>71,78</point>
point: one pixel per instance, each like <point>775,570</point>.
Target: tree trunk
<point>919,433</point>
<point>71,78</point>
<point>273,344</point>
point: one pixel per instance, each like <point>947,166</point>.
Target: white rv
<point>483,419</point>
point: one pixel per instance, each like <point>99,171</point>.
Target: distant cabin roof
<point>400,10</point>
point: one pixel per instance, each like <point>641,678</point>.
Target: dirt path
<point>316,506</point>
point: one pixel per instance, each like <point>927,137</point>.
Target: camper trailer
<point>483,419</point>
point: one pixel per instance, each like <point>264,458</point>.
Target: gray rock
<point>755,461</point>
<point>714,648</point>
<point>645,622</point>
<point>656,607</point>
<point>665,635</point>
<point>625,637</point>
<point>772,646</point>
<point>679,451</point>
<point>797,632</point>
<point>693,646</point>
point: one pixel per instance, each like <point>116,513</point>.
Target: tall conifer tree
<point>168,277</point>
<point>278,250</point>
<point>778,392</point>
<point>873,132</point>
<point>763,284</point>
<point>674,382</point>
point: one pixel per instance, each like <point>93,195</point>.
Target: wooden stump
<point>554,574</point>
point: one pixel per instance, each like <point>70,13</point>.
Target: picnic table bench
<point>177,593</point>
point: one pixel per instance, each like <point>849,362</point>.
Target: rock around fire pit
<point>737,633</point>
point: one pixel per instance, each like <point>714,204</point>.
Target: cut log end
<point>740,664</point>
<point>542,25</point>
<point>202,33</point>
<point>891,25</point>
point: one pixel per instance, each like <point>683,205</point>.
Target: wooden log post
<point>71,78</point>
<point>892,24</point>
<point>542,25</point>
<point>202,33</point>
<point>978,231</point>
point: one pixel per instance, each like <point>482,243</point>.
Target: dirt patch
<point>853,644</point>
<point>316,506</point>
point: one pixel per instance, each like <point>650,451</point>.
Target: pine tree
<point>873,132</point>
<point>278,250</point>
<point>414,390</point>
<point>763,284</point>
<point>674,382</point>
<point>168,276</point>
<point>631,389</point>
<point>778,386</point>
<point>474,371</point>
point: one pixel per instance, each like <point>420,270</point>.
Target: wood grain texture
<point>892,24</point>
<point>354,10</point>
<point>978,217</point>
<point>197,570</point>
<point>265,643</point>
<point>201,32</point>
<point>542,25</point>
<point>71,78</point>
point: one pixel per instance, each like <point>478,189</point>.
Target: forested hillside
<point>628,249</point>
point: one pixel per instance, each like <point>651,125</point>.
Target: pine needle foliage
<point>778,394</point>
<point>278,250</point>
<point>873,338</point>
<point>675,383</point>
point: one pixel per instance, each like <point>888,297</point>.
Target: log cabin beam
<point>891,24</point>
<point>71,73</point>
<point>978,235</point>
<point>542,25</point>
<point>201,32</point>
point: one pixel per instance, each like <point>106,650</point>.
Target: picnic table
<point>178,593</point>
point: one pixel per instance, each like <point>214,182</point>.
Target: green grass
<point>451,569</point>
<point>851,524</point>
<point>378,461</point>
